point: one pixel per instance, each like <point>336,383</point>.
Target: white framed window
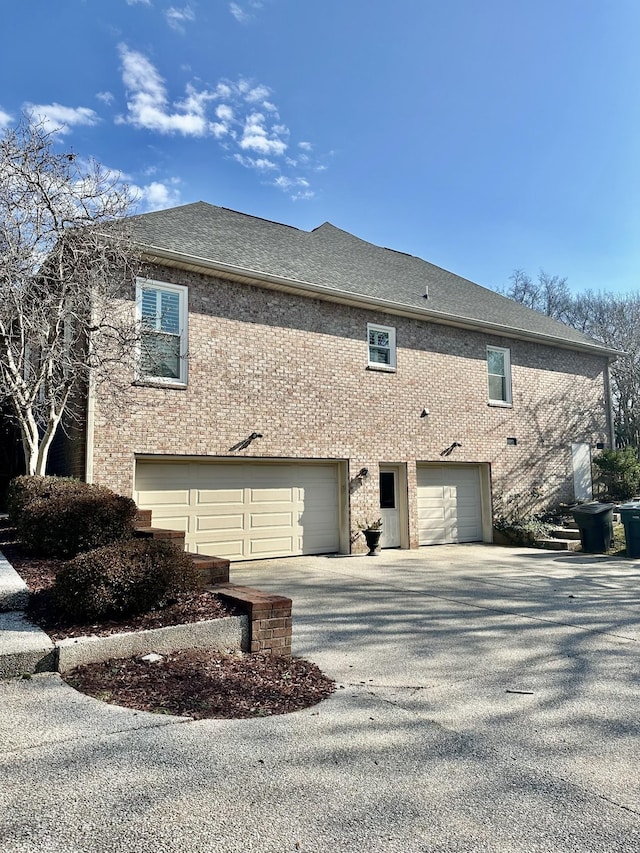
<point>382,346</point>
<point>499,375</point>
<point>162,314</point>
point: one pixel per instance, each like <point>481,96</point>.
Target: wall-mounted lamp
<point>241,445</point>
<point>362,473</point>
<point>449,450</point>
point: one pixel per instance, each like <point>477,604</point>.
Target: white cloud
<point>237,113</point>
<point>5,119</point>
<point>224,112</point>
<point>176,18</point>
<point>242,11</point>
<point>256,137</point>
<point>142,2</point>
<point>106,97</point>
<point>61,118</point>
<point>147,102</point>
<point>238,13</point>
<point>157,195</point>
<point>260,163</point>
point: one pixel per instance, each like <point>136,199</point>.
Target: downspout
<point>90,425</point>
<point>609,405</point>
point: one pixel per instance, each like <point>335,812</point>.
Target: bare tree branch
<point>613,319</point>
<point>67,266</point>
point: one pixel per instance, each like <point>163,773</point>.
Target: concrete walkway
<point>488,701</point>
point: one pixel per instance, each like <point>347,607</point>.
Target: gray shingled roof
<point>339,261</point>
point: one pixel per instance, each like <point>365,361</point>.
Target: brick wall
<point>295,370</point>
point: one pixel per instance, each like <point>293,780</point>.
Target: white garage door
<point>244,511</point>
<point>449,505</point>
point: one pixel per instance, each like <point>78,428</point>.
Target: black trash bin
<point>595,522</point>
<point>630,517</point>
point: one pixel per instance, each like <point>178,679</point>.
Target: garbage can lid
<point>630,505</point>
<point>592,509</point>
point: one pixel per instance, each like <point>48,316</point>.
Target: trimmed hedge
<point>25,489</point>
<point>61,517</point>
<point>124,579</point>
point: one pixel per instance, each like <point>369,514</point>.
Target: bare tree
<point>66,268</point>
<point>550,294</point>
<point>613,319</point>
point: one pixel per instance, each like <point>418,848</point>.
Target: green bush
<point>523,531</point>
<point>124,578</point>
<point>61,517</point>
<point>620,472</point>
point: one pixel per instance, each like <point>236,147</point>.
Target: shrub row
<point>124,579</point>
<point>110,573</point>
<point>62,517</point>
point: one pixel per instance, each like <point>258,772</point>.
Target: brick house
<point>293,385</point>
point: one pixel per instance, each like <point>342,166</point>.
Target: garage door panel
<point>205,523</point>
<point>271,547</point>
<point>232,550</point>
<point>170,521</point>
<point>271,519</point>
<point>449,506</point>
<point>168,498</point>
<point>248,509</point>
<point>271,496</point>
<point>206,497</point>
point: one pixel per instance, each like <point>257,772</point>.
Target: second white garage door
<point>449,504</point>
<point>244,511</point>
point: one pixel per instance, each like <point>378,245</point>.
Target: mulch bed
<point>196,683</point>
<point>39,575</point>
<point>201,684</point>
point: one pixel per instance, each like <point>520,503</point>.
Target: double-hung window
<point>499,375</point>
<point>382,346</point>
<point>162,312</point>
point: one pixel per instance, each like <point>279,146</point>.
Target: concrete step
<point>553,544</point>
<point>565,533</point>
<point>24,648</point>
<point>14,594</point>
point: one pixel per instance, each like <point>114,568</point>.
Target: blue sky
<point>481,135</point>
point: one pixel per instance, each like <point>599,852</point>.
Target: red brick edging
<point>269,617</point>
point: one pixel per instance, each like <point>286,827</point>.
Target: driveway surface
<point>488,700</point>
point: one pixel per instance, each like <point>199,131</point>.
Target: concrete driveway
<point>488,701</point>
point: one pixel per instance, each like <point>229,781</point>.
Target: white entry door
<point>582,484</point>
<point>389,509</point>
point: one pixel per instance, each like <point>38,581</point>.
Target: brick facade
<point>294,369</point>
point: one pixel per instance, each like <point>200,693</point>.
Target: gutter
<point>321,291</point>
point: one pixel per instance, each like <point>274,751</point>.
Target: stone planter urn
<point>372,537</point>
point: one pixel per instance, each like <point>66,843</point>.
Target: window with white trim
<point>162,312</point>
<point>499,375</point>
<point>382,346</point>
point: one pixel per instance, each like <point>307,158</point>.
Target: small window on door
<point>387,490</point>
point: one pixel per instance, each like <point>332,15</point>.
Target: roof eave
<point>320,291</point>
